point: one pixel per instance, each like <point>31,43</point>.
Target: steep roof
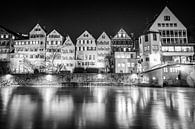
<point>54,32</point>
<point>68,41</point>
<point>103,37</point>
<point>12,32</point>
<point>121,34</point>
<point>152,25</point>
<point>86,35</point>
<point>37,26</point>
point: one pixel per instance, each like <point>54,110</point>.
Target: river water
<point>97,108</point>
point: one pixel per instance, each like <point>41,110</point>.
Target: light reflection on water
<point>97,107</point>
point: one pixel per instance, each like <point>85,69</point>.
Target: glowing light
<point>8,76</point>
<point>134,76</point>
<point>99,76</point>
<point>49,77</point>
<point>153,78</point>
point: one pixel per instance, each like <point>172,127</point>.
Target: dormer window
<point>85,35</point>
<point>103,36</point>
<point>37,29</point>
<point>166,18</point>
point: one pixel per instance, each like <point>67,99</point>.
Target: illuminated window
<point>6,36</point>
<point>165,69</point>
<point>132,64</point>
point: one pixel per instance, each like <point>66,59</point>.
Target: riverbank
<point>76,80</point>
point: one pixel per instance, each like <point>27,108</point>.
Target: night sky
<point>73,18</point>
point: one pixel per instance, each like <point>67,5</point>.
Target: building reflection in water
<point>93,109</point>
<point>128,104</point>
<point>21,112</point>
<point>5,94</point>
<point>57,109</point>
<point>97,107</point>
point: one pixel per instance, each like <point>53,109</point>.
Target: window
<point>132,65</point>
<point>85,35</point>
<point>147,58</point>
<point>165,69</point>
<point>184,33</point>
<point>146,38</point>
<point>90,57</point>
<point>131,55</point>
<point>171,33</point>
<point>154,37</point>
<point>163,25</point>
<point>175,24</point>
<point>166,18</point>
<point>163,33</point>
<point>159,25</point>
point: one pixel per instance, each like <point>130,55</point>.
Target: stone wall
<point>47,79</point>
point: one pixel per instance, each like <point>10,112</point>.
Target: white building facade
<point>86,54</point>
<point>124,53</point>
<point>68,55</point>
<point>53,51</point>
<point>164,42</point>
<point>103,50</point>
<point>174,40</point>
<point>30,53</point>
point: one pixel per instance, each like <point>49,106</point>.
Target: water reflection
<point>97,107</point>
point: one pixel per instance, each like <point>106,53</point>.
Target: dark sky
<point>95,16</point>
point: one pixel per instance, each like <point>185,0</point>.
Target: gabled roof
<point>68,41</point>
<point>11,32</point>
<point>54,32</point>
<point>173,19</point>
<point>122,35</point>
<point>39,27</point>
<point>86,35</point>
<point>103,37</point>
<point>152,25</point>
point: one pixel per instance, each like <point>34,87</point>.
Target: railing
<point>160,66</point>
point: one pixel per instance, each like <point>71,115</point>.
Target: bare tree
<point>109,61</point>
<point>53,55</point>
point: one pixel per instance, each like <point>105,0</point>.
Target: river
<point>96,108</point>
